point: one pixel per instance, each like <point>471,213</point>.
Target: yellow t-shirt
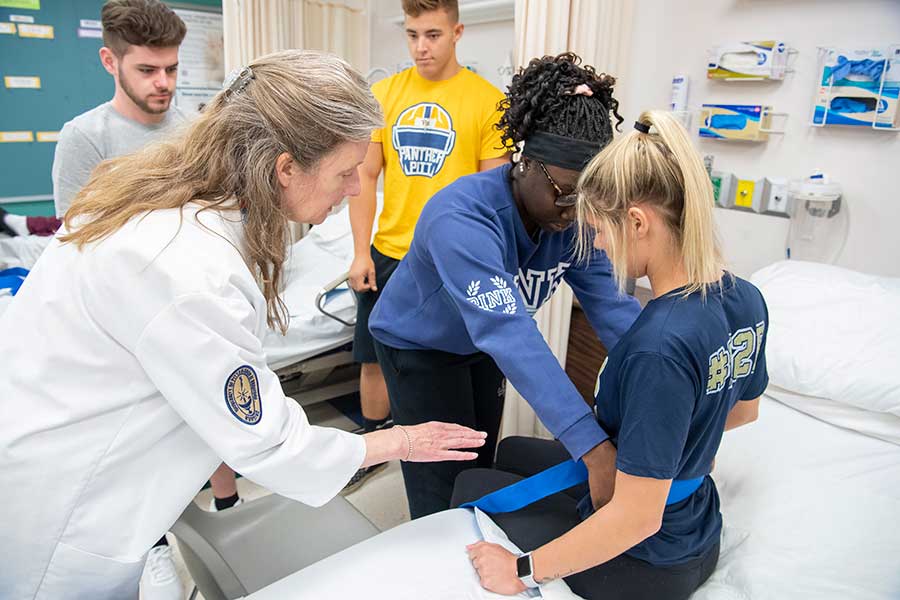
<point>435,132</point>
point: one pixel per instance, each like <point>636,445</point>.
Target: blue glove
<point>735,122</point>
<point>853,105</point>
<point>867,67</point>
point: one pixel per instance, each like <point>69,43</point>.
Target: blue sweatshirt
<point>472,280</point>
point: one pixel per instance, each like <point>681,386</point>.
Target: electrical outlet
<point>774,199</point>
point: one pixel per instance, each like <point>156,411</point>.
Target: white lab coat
<point>114,362</point>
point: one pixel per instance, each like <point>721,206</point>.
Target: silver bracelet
<point>408,443</point>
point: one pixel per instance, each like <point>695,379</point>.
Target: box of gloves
<point>858,87</point>
<point>743,122</point>
<point>766,59</point>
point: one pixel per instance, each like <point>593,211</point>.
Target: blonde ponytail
<point>659,169</point>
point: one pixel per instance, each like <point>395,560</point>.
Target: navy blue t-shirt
<point>664,394</point>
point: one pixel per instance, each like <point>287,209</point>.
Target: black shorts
<point>363,343</point>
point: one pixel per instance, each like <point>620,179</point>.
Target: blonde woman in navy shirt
<point>690,368</point>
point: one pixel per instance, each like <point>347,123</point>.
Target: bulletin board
<point>50,72</point>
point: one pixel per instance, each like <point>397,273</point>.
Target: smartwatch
<point>525,570</point>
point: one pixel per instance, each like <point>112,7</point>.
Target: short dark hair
<point>414,8</point>
<point>140,23</point>
<point>541,98</point>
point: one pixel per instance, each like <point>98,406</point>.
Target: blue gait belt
<point>556,479</point>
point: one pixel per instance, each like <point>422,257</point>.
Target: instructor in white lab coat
<point>131,360</point>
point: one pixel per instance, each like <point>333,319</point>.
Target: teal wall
<point>30,209</point>
<point>72,82</point>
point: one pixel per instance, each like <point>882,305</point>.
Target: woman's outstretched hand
<point>428,442</point>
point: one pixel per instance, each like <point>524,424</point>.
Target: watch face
<point>523,566</point>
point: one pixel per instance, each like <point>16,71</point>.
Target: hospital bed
<point>810,492</point>
<point>19,251</point>
<point>313,360</point>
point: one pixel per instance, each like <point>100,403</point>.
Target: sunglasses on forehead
<point>562,200</point>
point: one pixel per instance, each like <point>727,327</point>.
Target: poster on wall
<point>27,4</point>
<point>201,59</point>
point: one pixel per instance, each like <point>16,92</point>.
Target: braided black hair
<point>540,98</point>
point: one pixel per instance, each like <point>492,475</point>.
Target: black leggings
<point>430,385</point>
<point>623,577</point>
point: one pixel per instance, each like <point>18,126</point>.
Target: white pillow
<point>881,425</point>
<point>833,333</point>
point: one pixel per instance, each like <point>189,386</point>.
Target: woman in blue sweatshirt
<point>487,252</point>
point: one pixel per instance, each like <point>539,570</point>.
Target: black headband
<point>642,127</point>
<point>560,151</point>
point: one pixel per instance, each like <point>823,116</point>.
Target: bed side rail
<point>322,297</point>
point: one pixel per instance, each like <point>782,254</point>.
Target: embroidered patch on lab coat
<point>242,395</point>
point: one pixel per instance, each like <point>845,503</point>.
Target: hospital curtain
<point>340,27</point>
<point>253,28</point>
<point>600,32</point>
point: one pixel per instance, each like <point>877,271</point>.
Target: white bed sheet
<point>313,264</point>
<point>810,510</point>
<point>21,251</point>
<point>422,559</point>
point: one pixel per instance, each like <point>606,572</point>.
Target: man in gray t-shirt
<point>101,133</point>
<point>144,65</point>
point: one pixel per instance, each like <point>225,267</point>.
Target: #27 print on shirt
<point>736,362</point>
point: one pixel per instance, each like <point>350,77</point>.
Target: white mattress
<point>811,511</point>
<point>421,559</point>
<point>315,261</point>
<point>21,251</point>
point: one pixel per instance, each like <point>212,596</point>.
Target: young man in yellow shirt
<point>439,125</point>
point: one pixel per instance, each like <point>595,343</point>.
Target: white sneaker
<point>212,504</point>
<point>160,580</point>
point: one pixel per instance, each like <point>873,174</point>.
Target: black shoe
<point>386,425</point>
<point>362,474</point>
<point>4,228</point>
<point>360,477</point>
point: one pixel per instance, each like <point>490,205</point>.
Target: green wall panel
<point>72,82</point>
